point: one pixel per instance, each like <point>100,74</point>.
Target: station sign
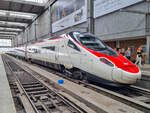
<point>67,13</point>
<point>102,7</point>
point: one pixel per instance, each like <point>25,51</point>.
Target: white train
<point>83,55</point>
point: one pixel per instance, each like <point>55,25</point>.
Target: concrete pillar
<point>17,41</point>
<point>50,4</point>
<point>50,20</point>
<point>27,32</point>
<point>90,15</point>
<point>148,49</point>
<point>147,30</point>
<point>22,38</point>
<point>35,25</point>
<point>12,42</point>
<point>117,44</point>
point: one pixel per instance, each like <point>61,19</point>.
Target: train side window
<point>36,50</point>
<point>72,45</point>
<point>52,48</point>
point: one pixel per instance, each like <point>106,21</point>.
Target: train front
<point>125,72</point>
<point>122,71</point>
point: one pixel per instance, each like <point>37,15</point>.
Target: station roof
<point>16,15</point>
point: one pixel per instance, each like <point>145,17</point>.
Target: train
<point>84,56</point>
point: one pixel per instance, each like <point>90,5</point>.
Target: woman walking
<point>139,57</point>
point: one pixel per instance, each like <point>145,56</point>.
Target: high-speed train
<point>83,55</point>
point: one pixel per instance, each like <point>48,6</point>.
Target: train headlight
<point>105,61</point>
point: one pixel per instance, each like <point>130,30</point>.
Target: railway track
<point>41,98</point>
<point>144,83</point>
<point>133,96</point>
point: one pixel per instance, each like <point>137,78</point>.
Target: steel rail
<point>20,85</point>
<point>67,102</point>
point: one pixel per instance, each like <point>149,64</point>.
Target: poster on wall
<point>66,13</point>
<point>102,7</point>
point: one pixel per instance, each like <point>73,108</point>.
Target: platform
<point>6,101</point>
<point>146,69</point>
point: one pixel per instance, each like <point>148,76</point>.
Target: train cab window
<point>52,48</point>
<point>72,45</point>
<point>96,44</point>
<point>92,42</point>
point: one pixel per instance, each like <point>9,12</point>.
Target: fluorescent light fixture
<point>7,35</point>
<point>22,15</point>
<point>17,14</point>
<point>37,1</point>
<point>13,23</point>
<point>10,29</point>
<point>17,24</point>
<point>12,33</point>
<point>2,13</point>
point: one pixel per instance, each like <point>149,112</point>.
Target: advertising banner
<point>66,13</point>
<point>102,7</point>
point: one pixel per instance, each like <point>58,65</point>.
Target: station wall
<point>121,24</point>
<point>112,26</point>
<point>20,38</point>
<point>43,25</point>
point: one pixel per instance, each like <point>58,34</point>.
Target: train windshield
<point>92,42</point>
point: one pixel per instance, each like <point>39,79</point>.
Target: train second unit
<point>83,55</point>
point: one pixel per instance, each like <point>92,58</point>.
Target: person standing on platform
<point>139,57</point>
<point>128,53</point>
<point>119,50</point>
<point>123,51</point>
<point>115,49</point>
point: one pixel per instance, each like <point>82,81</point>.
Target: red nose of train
<point>128,72</point>
<point>124,71</point>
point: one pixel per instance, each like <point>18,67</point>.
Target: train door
<point>63,55</point>
<point>57,53</point>
<point>50,53</point>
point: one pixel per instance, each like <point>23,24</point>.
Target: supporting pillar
<point>17,41</point>
<point>22,38</point>
<point>50,20</point>
<point>117,44</point>
<point>148,49</point>
<point>90,15</point>
<point>50,4</point>
<point>147,17</point>
<point>12,42</point>
<point>35,30</point>
<point>27,35</point>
